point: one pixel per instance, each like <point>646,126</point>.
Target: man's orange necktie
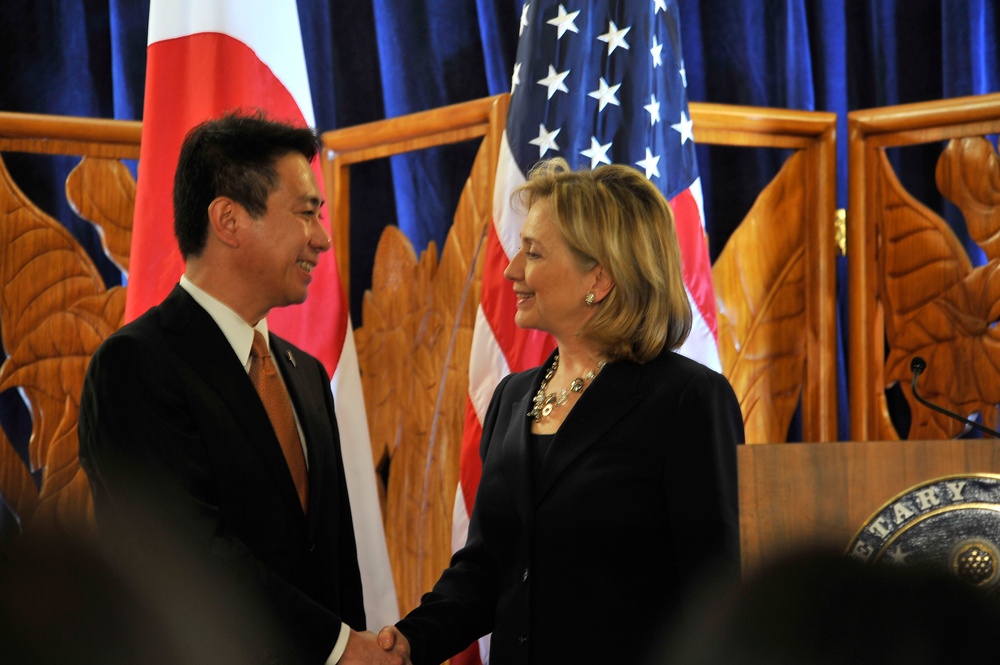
<point>278,404</point>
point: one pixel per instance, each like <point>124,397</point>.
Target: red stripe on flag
<point>697,267</point>
<point>470,466</point>
<point>468,657</point>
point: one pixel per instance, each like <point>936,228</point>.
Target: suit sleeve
<point>158,506</point>
<point>460,608</point>
<point>700,480</point>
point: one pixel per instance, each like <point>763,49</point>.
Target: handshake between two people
<point>389,647</point>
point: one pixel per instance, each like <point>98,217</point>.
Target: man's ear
<point>602,283</point>
<point>222,220</point>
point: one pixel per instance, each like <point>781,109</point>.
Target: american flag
<point>595,83</point>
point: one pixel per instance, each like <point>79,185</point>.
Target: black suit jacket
<point>182,459</point>
<point>635,501</point>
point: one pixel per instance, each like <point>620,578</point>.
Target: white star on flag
<point>605,94</point>
<point>684,74</point>
<point>654,110</point>
<point>685,128</point>
<point>656,52</point>
<point>546,141</point>
<point>564,22</point>
<point>515,80</point>
<point>659,5</point>
<point>650,164</point>
<point>524,19</point>
<point>597,153</point>
<point>615,37</point>
<point>554,81</point>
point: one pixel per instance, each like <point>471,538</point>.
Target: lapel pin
<point>291,358</point>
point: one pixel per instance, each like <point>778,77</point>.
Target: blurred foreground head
<point>63,601</point>
<point>60,602</point>
<point>824,608</point>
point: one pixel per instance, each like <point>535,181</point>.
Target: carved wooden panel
<point>414,350</point>
<point>55,311</point>
<point>760,288</point>
<point>937,305</point>
<point>914,290</point>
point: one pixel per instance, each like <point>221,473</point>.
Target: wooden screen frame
<point>67,135</point>
<point>871,131</point>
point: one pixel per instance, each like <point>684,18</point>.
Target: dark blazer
<point>182,458</point>
<point>635,501</point>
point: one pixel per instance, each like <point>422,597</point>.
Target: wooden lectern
<point>795,496</point>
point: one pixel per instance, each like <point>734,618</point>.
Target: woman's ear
<point>602,283</point>
<point>222,220</point>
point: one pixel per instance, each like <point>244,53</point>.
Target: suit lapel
<point>608,399</point>
<point>199,340</point>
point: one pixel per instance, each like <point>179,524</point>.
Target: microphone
<point>917,366</point>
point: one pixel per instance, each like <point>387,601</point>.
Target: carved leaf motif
<point>102,191</point>
<point>50,362</point>
<point>759,289</point>
<point>393,310</point>
<point>418,322</point>
<point>44,270</point>
<point>17,487</point>
<point>55,312</point>
<point>968,175</point>
<point>386,339</point>
<point>936,305</point>
<point>65,503</point>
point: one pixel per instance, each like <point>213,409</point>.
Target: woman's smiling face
<point>548,281</point>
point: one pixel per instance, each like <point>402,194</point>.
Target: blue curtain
<point>371,59</point>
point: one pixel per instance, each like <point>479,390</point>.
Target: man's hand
<point>364,649</point>
<point>390,639</point>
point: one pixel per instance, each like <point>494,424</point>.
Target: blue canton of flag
<point>597,83</point>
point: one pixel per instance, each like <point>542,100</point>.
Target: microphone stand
<point>918,365</point>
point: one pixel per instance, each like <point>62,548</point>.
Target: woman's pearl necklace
<point>543,404</point>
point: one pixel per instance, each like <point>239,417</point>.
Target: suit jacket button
<point>522,638</point>
<point>312,547</point>
<point>524,578</point>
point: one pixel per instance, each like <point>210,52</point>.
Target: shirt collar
<point>238,332</point>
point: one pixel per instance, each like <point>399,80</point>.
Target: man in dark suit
<point>206,464</point>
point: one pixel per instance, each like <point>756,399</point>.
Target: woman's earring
<point>590,299</point>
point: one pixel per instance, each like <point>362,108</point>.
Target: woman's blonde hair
<point>615,217</point>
